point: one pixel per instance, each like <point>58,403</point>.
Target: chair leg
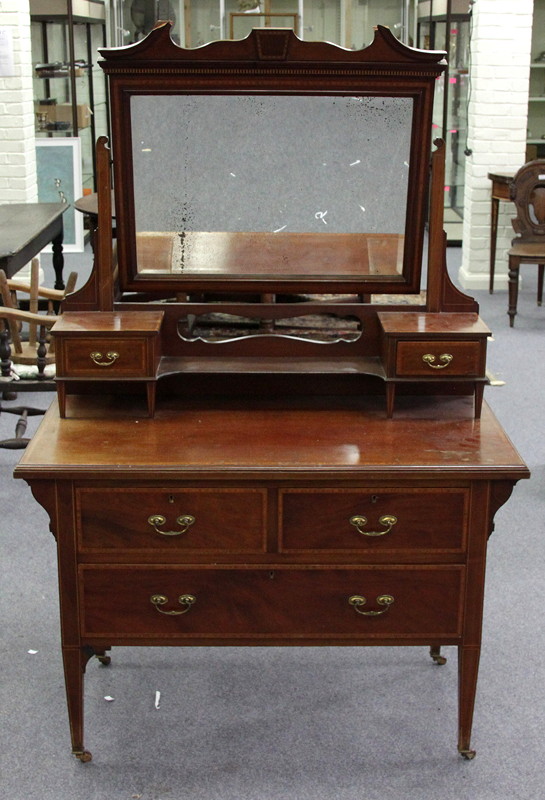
<point>514,265</point>
<point>540,271</point>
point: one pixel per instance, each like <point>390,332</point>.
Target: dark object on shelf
<point>57,126</point>
<point>60,69</point>
<point>52,65</point>
<point>540,57</point>
<point>47,101</point>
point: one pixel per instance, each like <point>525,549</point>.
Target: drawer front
<point>432,520</point>
<point>105,357</point>
<point>192,520</point>
<point>439,359</point>
<point>404,601</point>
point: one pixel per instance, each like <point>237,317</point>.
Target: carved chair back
<point>528,194</point>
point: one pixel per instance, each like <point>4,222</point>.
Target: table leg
<point>468,669</point>
<point>75,659</point>
<point>493,240</point>
<point>513,290</point>
<point>58,260</point>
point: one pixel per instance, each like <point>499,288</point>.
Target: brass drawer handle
<point>186,600</point>
<point>185,522</point>
<point>387,519</point>
<point>111,357</point>
<point>357,600</point>
<point>445,358</point>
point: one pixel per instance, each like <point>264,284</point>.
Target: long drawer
<point>192,520</point>
<point>134,602</point>
<point>434,520</point>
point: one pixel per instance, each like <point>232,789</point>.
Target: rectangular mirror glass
<point>270,185</point>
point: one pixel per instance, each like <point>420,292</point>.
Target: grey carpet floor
<point>290,723</point>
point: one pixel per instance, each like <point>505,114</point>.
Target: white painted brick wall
<point>497,122</point>
<point>17,154</point>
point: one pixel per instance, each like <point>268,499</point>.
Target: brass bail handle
<point>444,358</point>
<point>357,601</point>
<point>111,357</point>
<point>185,521</point>
<point>388,520</point>
<point>187,600</point>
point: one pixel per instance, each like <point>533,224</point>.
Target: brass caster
<point>469,755</point>
<point>105,660</point>
<point>435,653</point>
<point>83,755</point>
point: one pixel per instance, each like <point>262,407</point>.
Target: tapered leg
<point>390,398</point>
<point>468,669</point>
<point>493,238</point>
<point>75,659</point>
<point>479,392</point>
<point>150,392</point>
<point>513,289</point>
<point>540,270</point>
<point>61,396</point>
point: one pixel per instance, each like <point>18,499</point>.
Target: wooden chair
<point>528,194</point>
<point>24,343</point>
<point>33,350</point>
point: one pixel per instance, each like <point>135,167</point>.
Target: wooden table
<point>294,525</point>
<point>501,182</point>
<point>88,206</point>
<point>25,229</point>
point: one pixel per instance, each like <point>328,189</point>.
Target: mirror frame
<point>271,61</point>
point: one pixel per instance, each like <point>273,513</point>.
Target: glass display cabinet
<point>196,22</point>
<point>535,146</point>
<point>70,96</point>
<point>270,430</point>
<point>445,24</point>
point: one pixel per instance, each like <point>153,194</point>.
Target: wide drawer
<point>105,357</point>
<point>435,359</point>
<point>404,601</point>
<point>374,519</point>
<point>193,520</point>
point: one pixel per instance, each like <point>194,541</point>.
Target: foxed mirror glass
<point>270,164</point>
<point>285,186</point>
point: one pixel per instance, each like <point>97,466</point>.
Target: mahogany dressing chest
<point>269,429</point>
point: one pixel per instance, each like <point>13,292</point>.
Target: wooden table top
<point>106,437</point>
<point>501,177</point>
<point>21,223</point>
